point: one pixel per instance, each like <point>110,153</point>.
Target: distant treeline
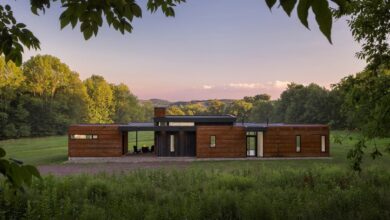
<point>44,96</point>
<point>357,102</point>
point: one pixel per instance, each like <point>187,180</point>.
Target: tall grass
<point>321,192</point>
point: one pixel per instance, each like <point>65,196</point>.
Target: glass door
<point>251,146</point>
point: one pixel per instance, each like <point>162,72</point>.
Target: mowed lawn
<point>48,150</point>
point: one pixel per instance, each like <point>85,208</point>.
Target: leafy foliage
<point>13,36</point>
<point>213,191</point>
<point>17,175</point>
<point>119,14</point>
<point>369,22</point>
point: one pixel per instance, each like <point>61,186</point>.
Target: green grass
<point>35,151</point>
<point>54,149</point>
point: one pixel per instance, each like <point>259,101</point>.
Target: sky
<point>211,49</point>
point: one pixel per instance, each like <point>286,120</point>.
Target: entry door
<point>260,144</point>
<point>251,146</point>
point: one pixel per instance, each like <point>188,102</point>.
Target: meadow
<point>284,189</point>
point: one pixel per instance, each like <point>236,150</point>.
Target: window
<point>212,141</point>
<point>162,123</point>
<point>84,136</point>
<point>323,149</point>
<point>183,124</point>
<point>298,143</point>
<point>172,143</point>
<point>251,133</point>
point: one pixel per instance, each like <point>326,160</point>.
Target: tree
<point>120,14</point>
<point>216,107</point>
<point>259,97</point>
<point>101,103</point>
<point>12,110</point>
<point>54,94</point>
<point>175,110</point>
<point>126,107</point>
<point>194,109</point>
<point>369,22</point>
<point>241,109</point>
<point>262,111</point>
<point>304,104</point>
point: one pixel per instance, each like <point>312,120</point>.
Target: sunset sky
<point>211,49</point>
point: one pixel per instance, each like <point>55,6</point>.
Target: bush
<point>253,193</point>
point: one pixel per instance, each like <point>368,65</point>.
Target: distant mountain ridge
<point>163,102</point>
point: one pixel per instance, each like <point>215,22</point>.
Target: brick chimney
<point>159,112</point>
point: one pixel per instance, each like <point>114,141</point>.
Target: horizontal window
<point>162,123</point>
<point>84,136</point>
<point>251,133</point>
<point>212,141</point>
<point>184,124</point>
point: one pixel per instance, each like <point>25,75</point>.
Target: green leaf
<point>32,170</point>
<point>2,152</point>
<point>64,22</point>
<point>303,11</point>
<point>323,16</point>
<point>270,3</point>
<point>288,5</point>
<point>87,33</point>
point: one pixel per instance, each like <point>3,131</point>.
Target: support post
<point>136,138</point>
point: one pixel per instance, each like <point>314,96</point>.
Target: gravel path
<point>92,168</point>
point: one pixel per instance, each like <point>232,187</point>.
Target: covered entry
<point>168,141</point>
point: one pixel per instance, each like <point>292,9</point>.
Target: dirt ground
<point>93,168</point>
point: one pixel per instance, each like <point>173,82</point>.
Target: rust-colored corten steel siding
<point>230,141</point>
<point>280,141</point>
<point>108,143</point>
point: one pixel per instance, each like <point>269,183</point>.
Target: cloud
<point>207,87</point>
<point>245,85</point>
<point>279,84</point>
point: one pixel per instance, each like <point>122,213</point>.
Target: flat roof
<point>197,118</point>
<point>149,126</point>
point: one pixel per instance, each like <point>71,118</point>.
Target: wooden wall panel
<point>108,144</point>
<point>279,141</point>
<point>230,141</point>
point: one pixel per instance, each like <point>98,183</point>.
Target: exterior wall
<point>230,141</point>
<point>279,141</point>
<point>184,143</point>
<point>108,144</point>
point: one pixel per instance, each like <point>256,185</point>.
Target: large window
<point>212,141</point>
<point>183,124</point>
<point>323,149</point>
<point>172,143</point>
<point>298,143</point>
<point>84,136</point>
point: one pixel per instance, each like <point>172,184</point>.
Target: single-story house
<point>206,136</point>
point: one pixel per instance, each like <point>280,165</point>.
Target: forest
<point>44,96</point>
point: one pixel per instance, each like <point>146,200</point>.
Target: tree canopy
<point>119,14</point>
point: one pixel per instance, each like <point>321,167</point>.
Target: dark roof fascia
<point>216,119</point>
<point>156,128</point>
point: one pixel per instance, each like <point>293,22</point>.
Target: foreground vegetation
<point>318,192</point>
<point>305,189</point>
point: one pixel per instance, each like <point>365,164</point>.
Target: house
<point>207,136</point>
